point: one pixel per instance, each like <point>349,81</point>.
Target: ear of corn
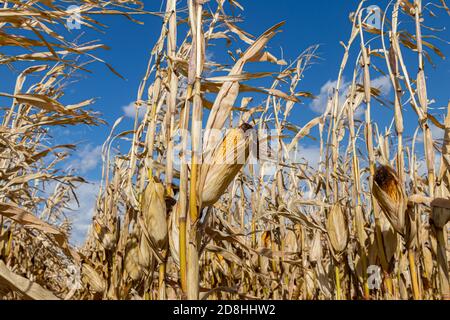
<point>225,162</point>
<point>154,212</point>
<point>132,262</point>
<point>391,197</point>
<point>93,279</point>
<point>337,228</point>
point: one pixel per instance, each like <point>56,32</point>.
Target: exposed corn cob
<point>225,162</point>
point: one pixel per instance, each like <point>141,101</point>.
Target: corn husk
<point>145,252</point>
<point>292,184</point>
<point>298,235</point>
<point>154,212</point>
<point>91,277</point>
<point>266,243</point>
<point>115,279</point>
<point>324,273</point>
<point>440,217</point>
<point>106,237</point>
<point>133,268</point>
<point>337,228</point>
<point>372,250</point>
<point>391,197</point>
<point>310,280</point>
<point>389,238</point>
<point>428,262</point>
<point>440,212</point>
<point>174,235</point>
<point>154,221</point>
<point>224,163</point>
<point>405,277</point>
<point>291,242</point>
<point>315,253</point>
<point>359,267</point>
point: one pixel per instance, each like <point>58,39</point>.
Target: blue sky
<point>323,22</point>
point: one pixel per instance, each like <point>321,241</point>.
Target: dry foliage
<point>205,229</point>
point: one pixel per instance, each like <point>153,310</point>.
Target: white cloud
<point>421,165</point>
<point>309,154</point>
<point>209,56</point>
<point>86,159</point>
<point>319,105</point>
<point>436,133</point>
<point>383,84</point>
<point>130,111</point>
<point>82,215</point>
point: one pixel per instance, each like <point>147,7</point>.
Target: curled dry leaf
<point>29,220</point>
<point>244,247</point>
<point>428,263</point>
<point>440,212</point>
<point>23,286</point>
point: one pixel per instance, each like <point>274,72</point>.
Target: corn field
<point>213,198</point>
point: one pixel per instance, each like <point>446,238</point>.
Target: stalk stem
<point>412,268</point>
<point>338,281</point>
